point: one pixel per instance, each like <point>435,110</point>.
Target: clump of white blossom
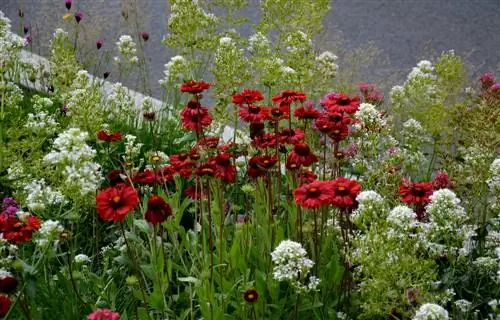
<point>326,64</point>
<point>292,265</point>
<point>231,68</point>
<point>49,233</point>
<point>370,209</point>
<point>39,195</point>
<point>81,258</point>
<point>176,70</point>
<point>298,41</point>
<point>132,149</point>
<point>431,311</point>
<point>42,121</point>
<point>494,184</point>
<point>8,253</point>
<point>371,118</point>
<point>259,44</point>
<point>10,43</point>
<point>75,157</point>
<point>127,48</point>
<point>402,217</point>
<point>120,103</point>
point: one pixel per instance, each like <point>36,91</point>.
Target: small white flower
<point>82,258</point>
<point>430,311</point>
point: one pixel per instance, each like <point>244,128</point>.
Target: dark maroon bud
<point>26,29</point>
<point>106,74</point>
<point>78,16</point>
<point>99,44</point>
<point>68,4</point>
<point>145,36</point>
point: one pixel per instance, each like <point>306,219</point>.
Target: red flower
<point>308,111</point>
<point>307,177</point>
<point>194,87</point>
<point>109,137</point>
<point>193,108</point>
<point>196,122</point>
<point>345,192</point>
<point>314,195</point>
<point>8,284</point>
<point>291,136</point>
<point>206,170</point>
<point>251,295</point>
<point>147,177</point>
<point>280,113</point>
<point>224,170</point>
<point>194,193</point>
<point>257,129</point>
<point>209,142</point>
<point>415,193</point>
<point>268,140</point>
<point>16,230</point>
<point>340,103</point>
<point>253,113</point>
<point>158,210</point>
<point>339,133</point>
<point>258,165</point>
<point>287,97</point>
<point>103,314</point>
<point>302,155</point>
<point>114,203</point>
<point>115,177</point>
<point>442,181</point>
<point>247,96</point>
<point>5,303</point>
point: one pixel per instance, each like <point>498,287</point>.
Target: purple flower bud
<point>28,39</point>
<point>26,29</point>
<point>487,80</point>
<point>78,16</point>
<point>9,202</point>
<point>99,44</point>
<point>68,4</point>
<point>145,36</point>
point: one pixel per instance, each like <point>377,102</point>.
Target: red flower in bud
<point>149,115</point>
<point>257,129</point>
<point>5,303</point>
<point>345,192</point>
<point>251,295</point>
<point>366,88</point>
<point>487,80</point>
<point>99,44</point>
<point>195,87</point>
<point>78,16</point>
<point>280,113</point>
<point>287,97</point>
<point>415,193</point>
<point>314,194</point>
<point>196,122</point>
<point>114,203</point>
<point>247,97</point>
<point>109,137</point>
<point>145,36</point>
<point>253,113</point>
<point>291,136</point>
<point>115,177</point>
<point>302,155</point>
<point>195,193</point>
<point>68,4</point>
<point>307,177</point>
<point>158,210</point>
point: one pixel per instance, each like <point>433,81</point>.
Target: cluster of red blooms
<point>370,93</point>
<point>193,115</point>
<point>491,89</point>
<point>340,193</point>
<point>18,231</point>
<point>109,137</point>
<point>103,314</point>
<point>8,286</point>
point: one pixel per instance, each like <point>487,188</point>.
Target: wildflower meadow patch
<point>260,187</point>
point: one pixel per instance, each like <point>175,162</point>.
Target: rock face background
<point>402,31</point>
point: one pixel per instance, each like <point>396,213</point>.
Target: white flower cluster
<point>41,122</point>
<point>10,43</point>
<point>72,154</point>
<point>13,95</point>
<point>371,207</point>
<point>120,104</point>
<point>463,305</point>
<point>231,66</point>
<point>184,12</point>
<point>49,233</point>
<point>413,133</point>
<point>39,195</point>
<point>127,48</point>
<point>82,258</point>
<point>132,149</point>
<point>292,265</point>
<point>297,42</point>
<point>326,64</point>
<point>402,217</point>
<point>8,253</point>
<point>259,44</point>
<point>494,184</point>
<point>175,72</point>
<point>370,117</point>
<point>431,311</point>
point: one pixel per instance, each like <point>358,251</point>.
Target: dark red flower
<point>195,193</point>
<point>68,4</point>
<point>251,295</point>
<point>366,88</point>
<point>78,16</point>
<point>18,231</point>
<point>314,194</point>
<point>196,122</point>
<point>302,155</point>
<point>103,314</point>
<point>247,97</point>
<point>145,36</point>
<point>345,192</point>
<point>5,303</point>
<point>280,113</point>
<point>442,181</point>
<point>8,284</point>
<point>340,102</point>
<point>308,111</point>
<point>415,193</point>
<point>253,113</point>
<point>99,44</point>
<point>287,97</point>
<point>339,133</point>
<point>115,177</point>
<point>109,137</point>
<point>209,142</point>
<point>114,203</point>
<point>206,170</point>
<point>195,87</point>
<point>149,115</point>
<point>291,136</point>
<point>193,107</point>
<point>375,97</point>
<point>258,165</point>
<point>158,210</point>
<point>146,177</point>
<point>487,80</point>
<point>257,129</point>
<point>165,174</point>
<point>268,140</point>
<point>224,170</point>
